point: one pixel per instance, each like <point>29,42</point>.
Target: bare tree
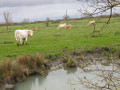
<point>106,80</point>
<point>47,21</point>
<point>102,77</point>
<point>100,7</point>
<point>7,18</point>
<point>66,17</point>
<point>25,21</point>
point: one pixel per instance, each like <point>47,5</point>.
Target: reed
<point>23,66</point>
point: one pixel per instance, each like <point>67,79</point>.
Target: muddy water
<point>57,80</point>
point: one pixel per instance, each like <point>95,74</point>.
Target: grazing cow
<point>91,22</point>
<point>68,26</point>
<point>62,25</point>
<point>21,35</point>
<point>36,29</point>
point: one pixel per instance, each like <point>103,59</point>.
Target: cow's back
<point>21,34</point>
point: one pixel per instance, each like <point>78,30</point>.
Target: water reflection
<point>59,79</point>
<point>71,70</point>
<point>39,81</point>
<point>55,80</point>
<point>31,83</point>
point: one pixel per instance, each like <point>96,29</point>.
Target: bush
<point>71,63</point>
<point>40,60</point>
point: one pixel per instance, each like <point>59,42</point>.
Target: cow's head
<point>30,32</point>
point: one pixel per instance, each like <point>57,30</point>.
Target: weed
<point>89,50</point>
<point>53,56</point>
<point>40,60</point>
<point>23,60</point>
<point>66,58</point>
<point>71,63</point>
<point>20,72</point>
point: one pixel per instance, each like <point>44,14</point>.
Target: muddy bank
<point>104,55</point>
<point>25,66</point>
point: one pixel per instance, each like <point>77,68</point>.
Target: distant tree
<point>25,21</point>
<point>66,17</point>
<point>7,18</point>
<point>47,22</point>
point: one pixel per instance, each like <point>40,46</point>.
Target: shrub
<point>40,60</point>
<point>66,58</point>
<point>71,63</point>
<point>53,56</point>
<point>23,60</point>
<point>20,72</point>
<point>6,69</point>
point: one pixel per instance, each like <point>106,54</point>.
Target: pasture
<point>49,39</point>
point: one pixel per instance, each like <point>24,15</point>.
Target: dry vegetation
<point>20,69</point>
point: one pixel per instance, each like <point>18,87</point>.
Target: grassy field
<point>49,39</point>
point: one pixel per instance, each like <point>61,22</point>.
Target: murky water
<point>55,80</point>
<point>58,80</point>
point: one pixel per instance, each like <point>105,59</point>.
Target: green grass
<point>49,39</point>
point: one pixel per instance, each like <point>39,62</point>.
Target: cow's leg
<point>17,42</point>
<point>26,40</point>
<point>21,41</point>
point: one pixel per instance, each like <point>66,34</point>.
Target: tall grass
<point>12,71</point>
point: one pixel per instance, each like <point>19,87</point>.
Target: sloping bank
<point>24,66</point>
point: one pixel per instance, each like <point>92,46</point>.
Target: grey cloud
<point>17,3</point>
<point>53,11</point>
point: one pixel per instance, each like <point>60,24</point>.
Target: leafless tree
<point>103,77</point>
<point>7,18</point>
<point>25,21</point>
<point>100,7</point>
<point>47,21</point>
<point>66,17</point>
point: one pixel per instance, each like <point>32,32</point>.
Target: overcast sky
<point>36,10</point>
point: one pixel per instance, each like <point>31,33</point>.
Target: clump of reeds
<point>23,60</point>
<point>6,70</point>
<point>18,70</point>
<point>40,60</point>
<point>27,62</point>
<point>12,71</point>
<point>34,62</point>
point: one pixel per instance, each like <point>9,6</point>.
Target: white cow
<point>21,35</point>
<point>91,22</point>
<point>62,25</point>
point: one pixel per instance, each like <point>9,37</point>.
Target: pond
<point>60,79</point>
<point>55,80</point>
